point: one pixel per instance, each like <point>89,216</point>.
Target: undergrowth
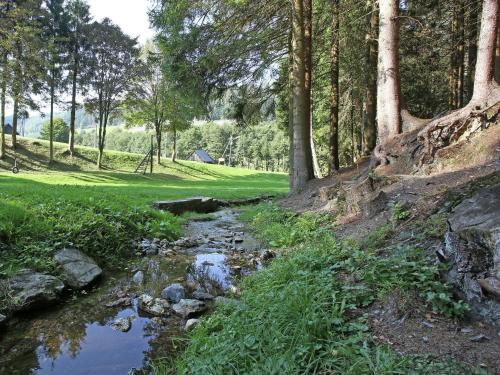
<point>306,313</point>
<point>31,232</point>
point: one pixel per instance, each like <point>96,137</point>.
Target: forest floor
<point>405,325</point>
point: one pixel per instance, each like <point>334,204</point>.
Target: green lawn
<point>100,212</point>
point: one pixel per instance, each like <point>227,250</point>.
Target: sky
<point>130,15</point>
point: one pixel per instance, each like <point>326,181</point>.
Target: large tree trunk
<point>71,144</point>
<point>369,124</point>
<point>472,47</point>
<point>302,167</point>
<point>459,89</point>
<point>457,62</point>
<point>333,145</point>
<point>388,92</point>
<point>308,75</point>
<point>290,107</point>
<point>485,66</point>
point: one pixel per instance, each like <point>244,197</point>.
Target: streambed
<point>76,337</point>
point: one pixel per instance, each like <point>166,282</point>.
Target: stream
<point>76,336</point>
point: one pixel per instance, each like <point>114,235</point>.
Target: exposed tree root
<point>455,126</point>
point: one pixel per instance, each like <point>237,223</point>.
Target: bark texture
<point>333,146</point>
<point>369,124</point>
<point>388,79</point>
<point>302,166</point>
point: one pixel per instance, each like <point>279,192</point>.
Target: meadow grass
<point>71,203</point>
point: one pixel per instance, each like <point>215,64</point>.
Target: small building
<point>202,157</point>
<point>8,129</point>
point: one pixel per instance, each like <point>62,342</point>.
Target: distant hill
<point>33,125</point>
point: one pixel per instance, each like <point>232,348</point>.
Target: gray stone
<point>138,278</point>
<point>480,338</point>
<point>3,319</point>
<point>202,296</point>
<point>188,308</point>
<point>472,249</point>
<point>148,247</point>
<point>123,324</point>
<point>30,289</point>
<point>152,306</point>
<point>190,324</point>
<point>197,204</point>
<point>78,269</point>
<point>173,293</point>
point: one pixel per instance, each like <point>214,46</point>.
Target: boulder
<point>173,293</point>
<point>188,308</point>
<point>138,278</point>
<point>152,306</point>
<point>197,204</point>
<point>29,289</point>
<point>78,269</point>
<point>148,247</point>
<point>202,295</point>
<point>472,249</point>
<point>122,324</point>
<point>190,324</point>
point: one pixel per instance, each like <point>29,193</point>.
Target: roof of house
<point>203,155</point>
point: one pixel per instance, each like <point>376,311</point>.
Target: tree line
<point>53,54</point>
<point>347,76</point>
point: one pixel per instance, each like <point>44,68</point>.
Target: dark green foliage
<point>60,131</point>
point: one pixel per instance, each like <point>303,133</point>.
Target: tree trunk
<point>71,144</point>
<point>459,89</point>
<point>14,120</point>
<point>472,47</point>
<point>369,124</point>
<point>290,106</point>
<point>2,109</point>
<point>158,144</point>
<point>174,144</point>
<point>445,130</point>
<point>485,65</point>
<point>51,123</point>
<point>497,54</point>
<point>388,92</point>
<point>308,42</point>
<point>302,170</point>
<point>333,144</point>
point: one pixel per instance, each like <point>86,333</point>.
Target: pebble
<point>425,339</point>
<point>466,330</point>
<point>427,324</point>
<point>480,338</point>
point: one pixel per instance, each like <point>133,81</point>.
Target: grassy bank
<point>307,312</point>
<point>100,212</point>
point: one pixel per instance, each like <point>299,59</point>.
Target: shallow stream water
<point>76,337</point>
